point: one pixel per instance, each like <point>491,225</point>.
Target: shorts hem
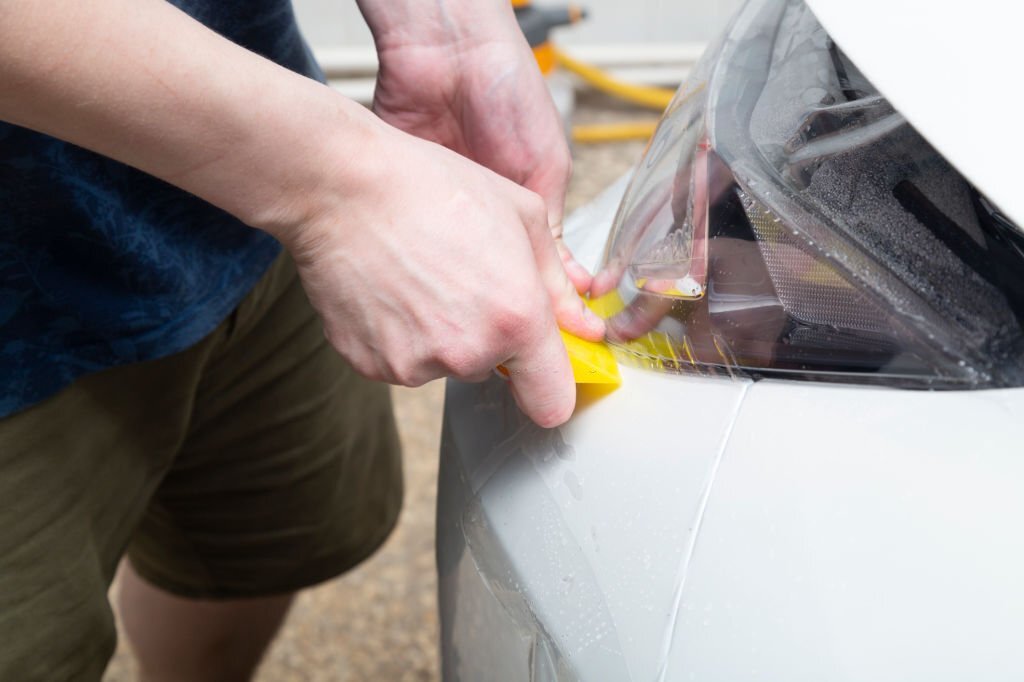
<point>327,569</point>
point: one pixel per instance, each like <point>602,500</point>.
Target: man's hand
<point>461,74</point>
<point>435,267</point>
<point>420,262</point>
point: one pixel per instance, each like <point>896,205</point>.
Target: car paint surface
<point>705,528</point>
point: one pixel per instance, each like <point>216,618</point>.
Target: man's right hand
<point>434,267</point>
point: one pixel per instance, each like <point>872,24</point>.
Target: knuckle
<point>372,372</point>
<point>405,373</point>
<point>366,367</point>
<point>535,206</point>
<point>568,305</point>
<point>464,361</point>
<point>532,206</point>
<point>515,323</point>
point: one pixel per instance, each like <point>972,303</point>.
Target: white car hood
<point>949,67</point>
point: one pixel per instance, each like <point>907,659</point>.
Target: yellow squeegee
<point>592,362</point>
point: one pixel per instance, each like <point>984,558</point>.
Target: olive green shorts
<point>254,463</point>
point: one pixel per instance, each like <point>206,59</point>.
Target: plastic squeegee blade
<point>592,362</point>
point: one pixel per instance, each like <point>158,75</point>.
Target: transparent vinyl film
<point>787,220</point>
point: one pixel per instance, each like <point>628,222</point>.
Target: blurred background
<point>641,23</point>
<point>652,41</point>
<point>379,622</point>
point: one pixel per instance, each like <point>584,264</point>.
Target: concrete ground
<point>379,622</point>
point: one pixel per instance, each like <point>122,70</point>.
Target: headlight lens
<point>785,219</point>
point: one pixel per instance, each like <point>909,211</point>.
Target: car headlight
<point>785,219</point>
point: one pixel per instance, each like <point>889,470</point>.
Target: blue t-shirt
<point>102,265</point>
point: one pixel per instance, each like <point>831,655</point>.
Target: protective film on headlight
<point>785,219</point>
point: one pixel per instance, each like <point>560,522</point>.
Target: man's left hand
<point>462,75</point>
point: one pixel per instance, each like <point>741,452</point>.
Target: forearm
<point>143,83</point>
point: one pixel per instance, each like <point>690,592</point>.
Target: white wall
<point>337,23</point>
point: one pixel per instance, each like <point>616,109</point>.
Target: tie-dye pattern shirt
<point>102,265</point>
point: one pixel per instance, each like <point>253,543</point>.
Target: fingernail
<point>595,322</point>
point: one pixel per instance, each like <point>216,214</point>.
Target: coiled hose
<point>643,95</point>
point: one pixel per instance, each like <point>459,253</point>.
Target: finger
<point>542,381</point>
<point>578,275</point>
<point>641,316</point>
<point>570,311</point>
<point>607,279</point>
<point>551,182</point>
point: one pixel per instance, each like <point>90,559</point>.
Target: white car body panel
<point>950,68</point>
<point>861,534</point>
<point>715,529</point>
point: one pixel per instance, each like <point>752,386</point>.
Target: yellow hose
<point>613,132</point>
<point>655,98</point>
